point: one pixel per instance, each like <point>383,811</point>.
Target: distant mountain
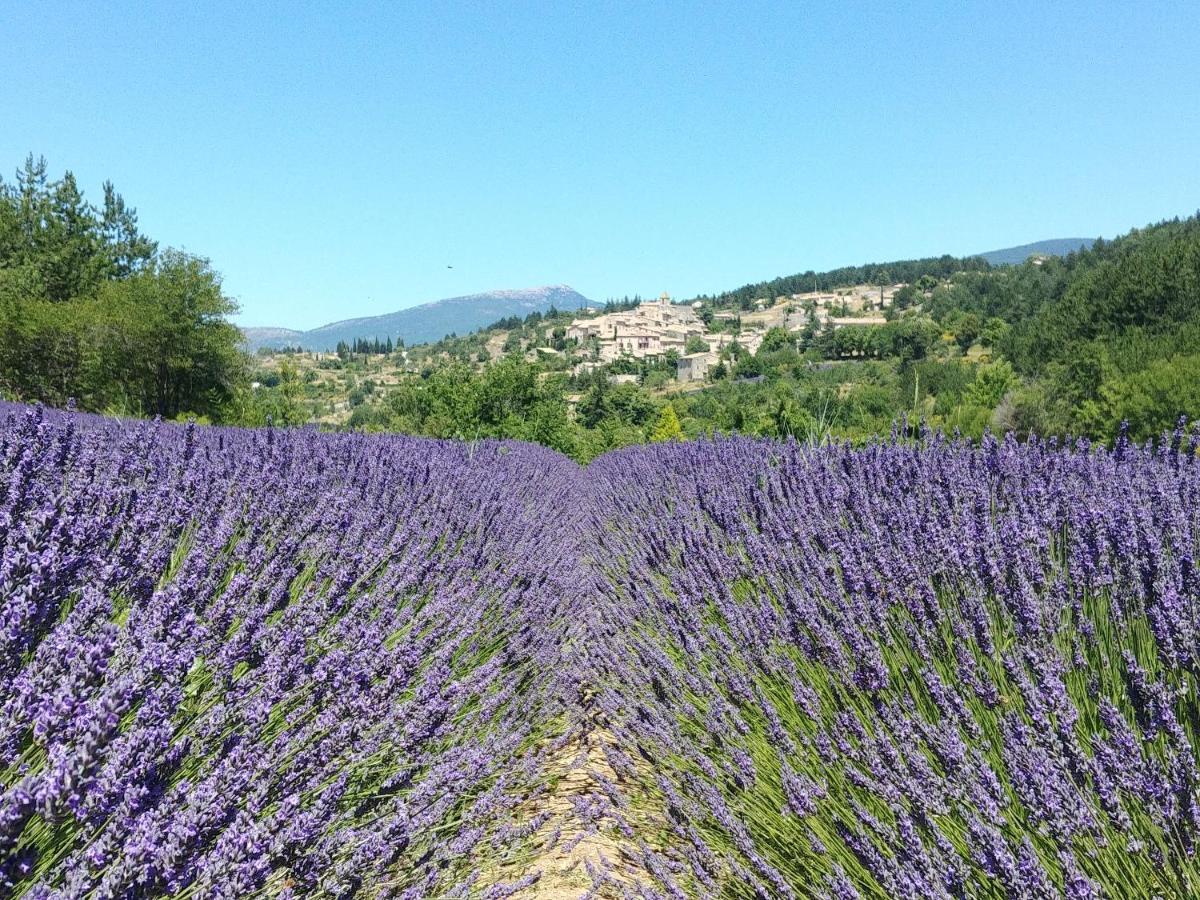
<point>271,337</point>
<point>424,323</point>
<point>1011,256</point>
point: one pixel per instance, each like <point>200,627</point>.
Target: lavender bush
<point>239,662</point>
<point>909,671</point>
<point>284,663</point>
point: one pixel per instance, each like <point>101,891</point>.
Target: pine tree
<point>128,249</point>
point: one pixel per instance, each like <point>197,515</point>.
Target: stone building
<point>696,366</point>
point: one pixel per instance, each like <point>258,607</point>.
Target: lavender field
<point>282,663</point>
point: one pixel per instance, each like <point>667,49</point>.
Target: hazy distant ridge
<point>1011,256</point>
<point>427,322</point>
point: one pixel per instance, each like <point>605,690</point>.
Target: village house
<point>696,366</point>
<point>692,367</point>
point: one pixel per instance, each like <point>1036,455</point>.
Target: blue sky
<point>333,159</point>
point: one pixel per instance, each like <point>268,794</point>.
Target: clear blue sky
<point>333,159</point>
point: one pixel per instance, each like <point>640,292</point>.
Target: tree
<point>1153,399</point>
<point>72,264</point>
<point>907,296</point>
<point>908,338</point>
<point>289,410</point>
<point>549,425</point>
<point>593,406</point>
<point>695,344</point>
<point>991,383</point>
<point>994,331</point>
<point>160,342</point>
<point>128,250</point>
<point>667,428</point>
<point>508,388</point>
<point>40,342</point>
<point>776,339</point>
<point>749,367</point>
<point>50,228</point>
<point>966,328</point>
<point>629,404</point>
<point>443,402</point>
<point>624,403</point>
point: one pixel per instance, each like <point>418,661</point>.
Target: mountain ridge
<point>424,322</point>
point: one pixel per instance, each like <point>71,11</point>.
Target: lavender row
<point>239,662</point>
<point>908,671</point>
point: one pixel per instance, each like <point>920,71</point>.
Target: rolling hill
<point>426,322</point>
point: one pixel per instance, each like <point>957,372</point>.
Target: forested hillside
<point>906,270</point>
<point>1055,346</point>
<point>1101,336</point>
<point>92,310</point>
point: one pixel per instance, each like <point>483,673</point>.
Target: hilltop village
<point>653,330</point>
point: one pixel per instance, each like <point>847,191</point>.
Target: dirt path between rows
<point>581,849</point>
<point>576,851</point>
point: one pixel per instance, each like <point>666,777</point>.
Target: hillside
<point>423,323</point>
<point>1011,256</point>
<point>902,270</point>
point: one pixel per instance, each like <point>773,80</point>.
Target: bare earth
<point>577,858</point>
<point>564,866</point>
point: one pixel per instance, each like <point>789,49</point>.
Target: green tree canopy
<point>667,428</point>
<point>89,309</point>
